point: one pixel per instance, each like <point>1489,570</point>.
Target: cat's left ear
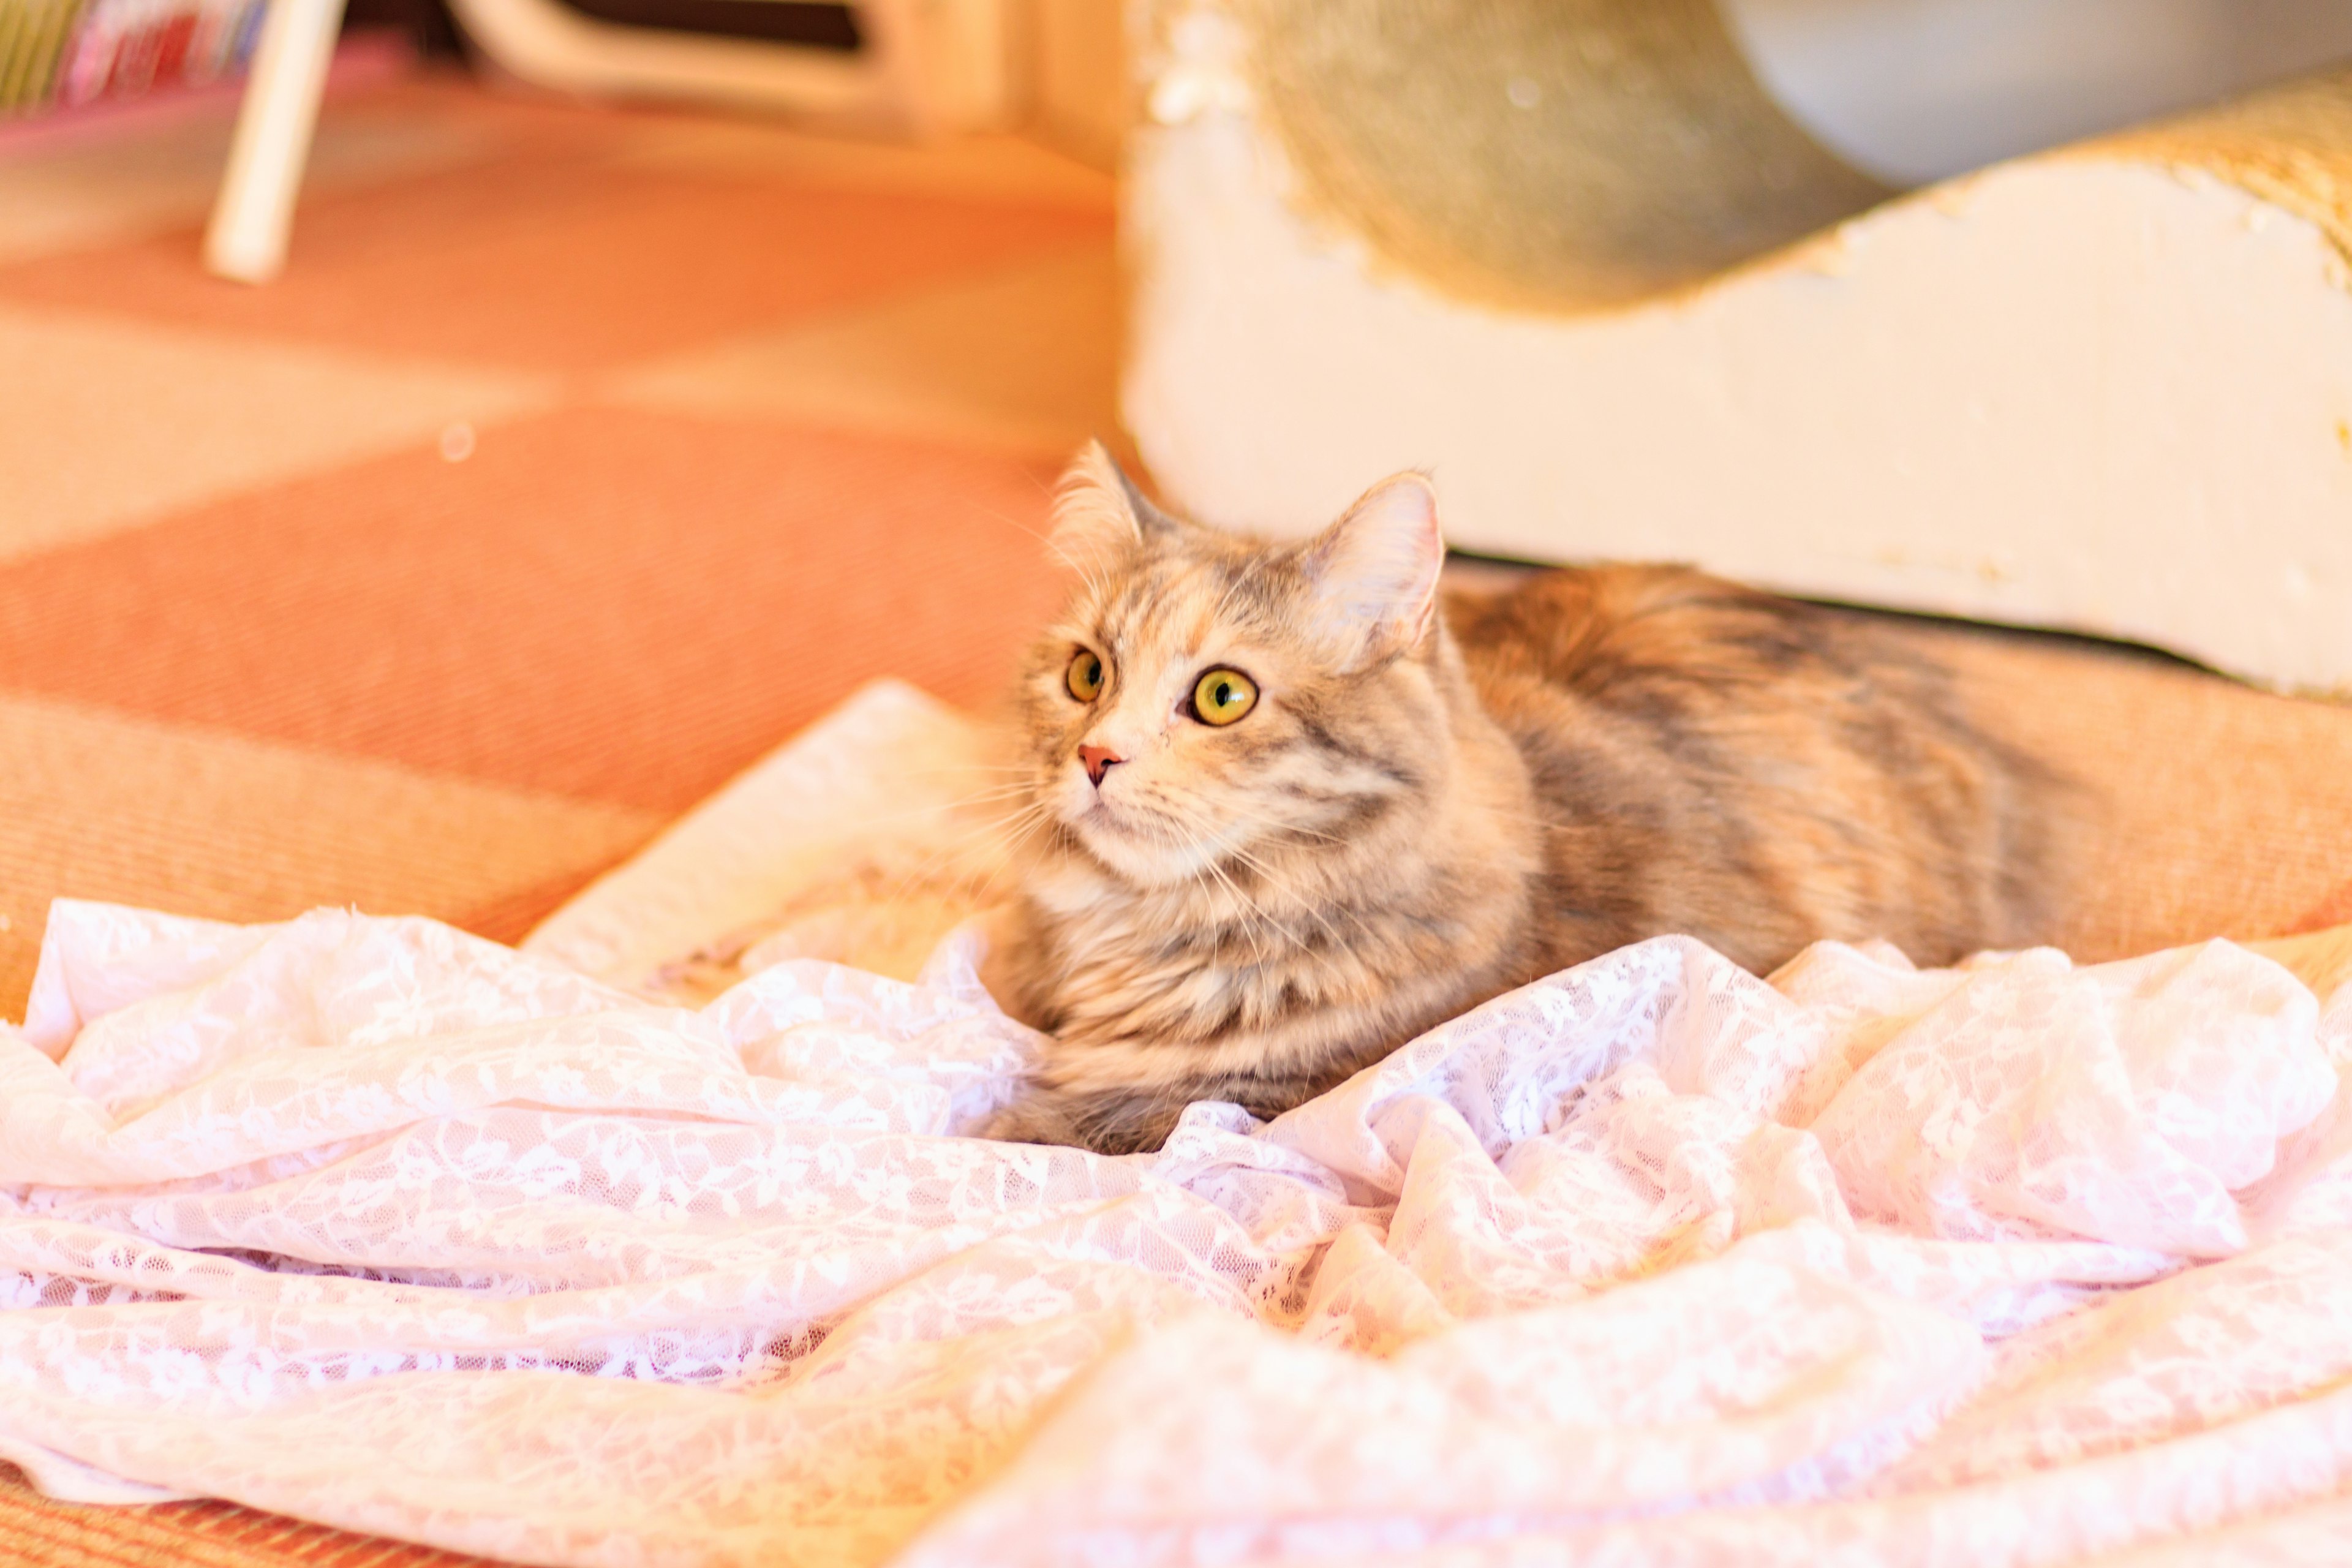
<point>1100,518</point>
<point>1372,575</point>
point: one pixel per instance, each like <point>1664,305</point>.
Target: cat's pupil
<point>1224,692</point>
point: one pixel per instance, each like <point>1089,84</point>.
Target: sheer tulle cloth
<point>370,1222</point>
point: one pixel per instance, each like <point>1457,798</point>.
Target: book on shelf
<point>66,54</point>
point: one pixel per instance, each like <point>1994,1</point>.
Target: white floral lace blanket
<point>373,1222</point>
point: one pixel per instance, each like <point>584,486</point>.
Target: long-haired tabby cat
<point>1295,810</point>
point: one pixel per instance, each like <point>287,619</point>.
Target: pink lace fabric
<point>372,1221</point>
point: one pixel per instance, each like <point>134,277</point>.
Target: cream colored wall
<point>1079,79</point>
<point>1915,91</point>
<point>1910,90</point>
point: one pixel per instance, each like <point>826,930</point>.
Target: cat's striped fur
<point>1425,808</point>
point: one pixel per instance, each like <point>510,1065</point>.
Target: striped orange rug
<point>579,458</point>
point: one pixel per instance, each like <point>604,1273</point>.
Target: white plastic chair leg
<point>255,215</point>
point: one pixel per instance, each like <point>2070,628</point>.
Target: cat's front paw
<point>1032,1118</point>
<point>1107,1123</point>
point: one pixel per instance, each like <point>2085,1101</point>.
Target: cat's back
<point>1755,770</point>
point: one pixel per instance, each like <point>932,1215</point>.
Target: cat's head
<point>1206,698</point>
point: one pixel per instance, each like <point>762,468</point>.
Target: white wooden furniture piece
<point>925,67</point>
<point>255,213</point>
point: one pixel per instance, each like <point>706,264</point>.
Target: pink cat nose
<point>1099,760</point>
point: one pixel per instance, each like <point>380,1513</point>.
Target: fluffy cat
<point>1289,810</point>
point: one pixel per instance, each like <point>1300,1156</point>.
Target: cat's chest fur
<point>1265,974</point>
<point>1264,978</point>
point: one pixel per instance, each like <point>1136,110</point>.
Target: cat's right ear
<point>1099,517</point>
<point>1372,575</point>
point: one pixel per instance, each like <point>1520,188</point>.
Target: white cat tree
<point>1576,258</point>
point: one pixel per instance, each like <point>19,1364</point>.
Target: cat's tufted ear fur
<point>1372,575</point>
<point>1099,517</point>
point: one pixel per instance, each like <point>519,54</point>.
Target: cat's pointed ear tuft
<point>1373,574</point>
<point>1099,516</point>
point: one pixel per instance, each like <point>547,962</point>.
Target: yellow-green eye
<point>1086,676</point>
<point>1222,696</point>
